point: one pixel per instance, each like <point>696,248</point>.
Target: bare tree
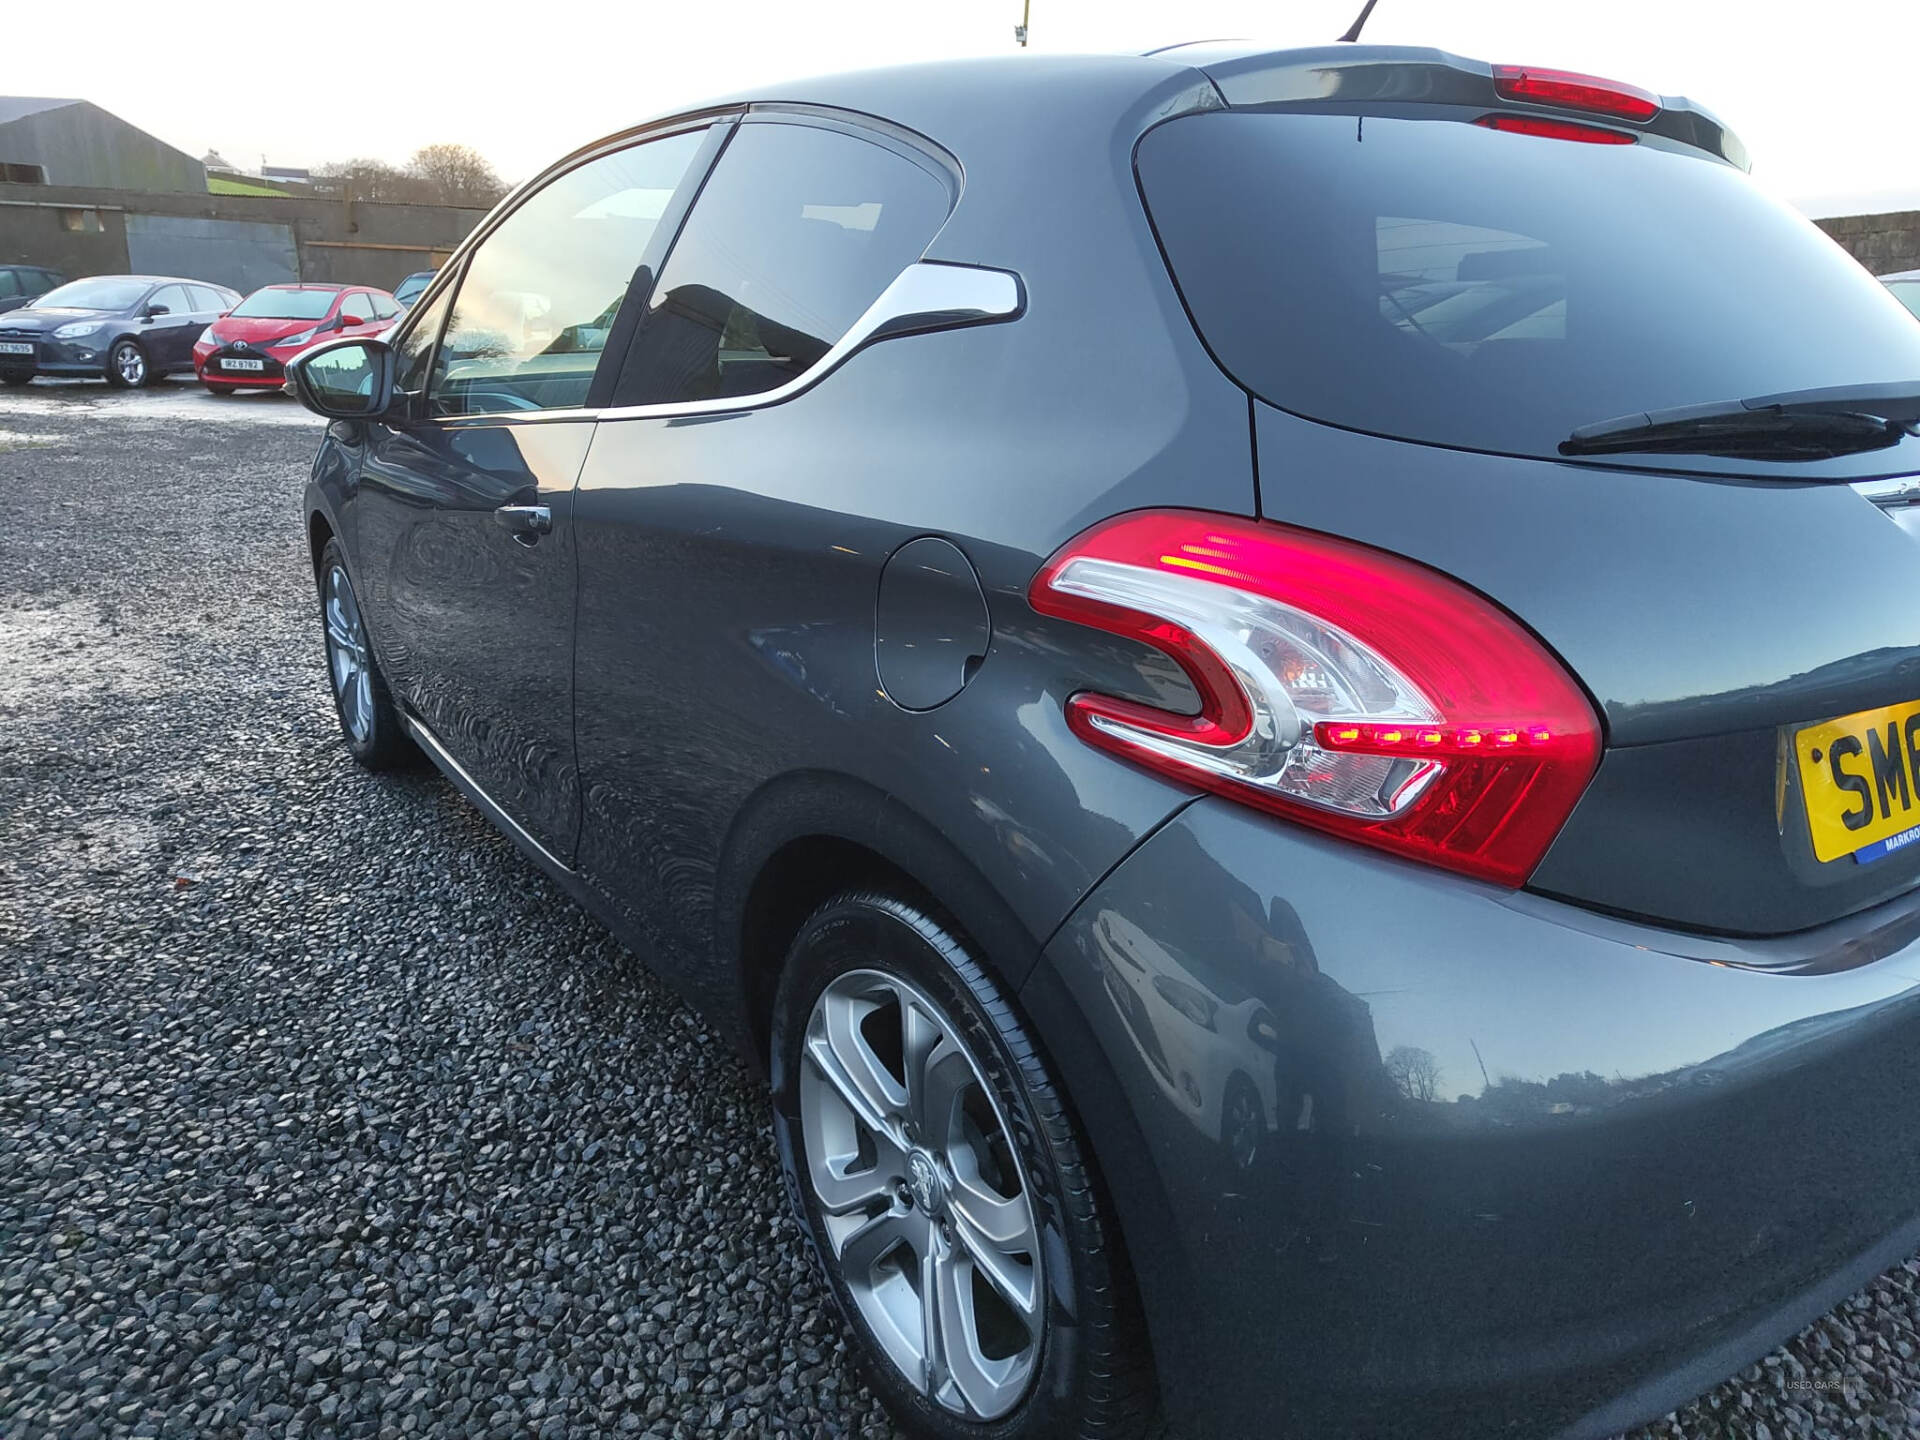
<point>456,175</point>
<point>365,178</point>
<point>1414,1072</point>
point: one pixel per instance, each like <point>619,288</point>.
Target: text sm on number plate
<point>1861,777</point>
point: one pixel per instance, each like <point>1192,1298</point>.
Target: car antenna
<point>1353,30</point>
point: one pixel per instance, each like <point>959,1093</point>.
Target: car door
<point>463,520</point>
<point>356,305</point>
<point>727,587</point>
<point>168,339</point>
<point>385,311</point>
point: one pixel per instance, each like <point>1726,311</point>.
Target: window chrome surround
<point>456,263</point>
<point>928,295</point>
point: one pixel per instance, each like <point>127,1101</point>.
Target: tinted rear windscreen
<point>1439,281</point>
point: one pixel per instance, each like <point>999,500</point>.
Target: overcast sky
<point>1825,97</point>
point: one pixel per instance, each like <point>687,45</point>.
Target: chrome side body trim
<point>474,791</point>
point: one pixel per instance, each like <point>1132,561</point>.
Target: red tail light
<point>1565,90</point>
<point>1341,687</point>
<point>1555,129</point>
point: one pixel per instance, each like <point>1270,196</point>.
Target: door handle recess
<point>525,522</point>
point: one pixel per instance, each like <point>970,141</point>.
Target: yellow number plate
<point>1861,777</point>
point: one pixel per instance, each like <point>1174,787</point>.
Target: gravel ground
<point>322,1113</point>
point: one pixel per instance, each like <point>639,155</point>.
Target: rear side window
<point>795,234</point>
<point>1435,280</point>
<point>383,308</point>
<point>206,298</point>
<point>541,292</point>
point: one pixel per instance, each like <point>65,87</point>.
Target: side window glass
<point>9,285</point>
<point>174,297</point>
<point>205,299</point>
<point>795,234</point>
<point>383,308</point>
<point>414,351</point>
<point>354,303</point>
<point>541,292</point>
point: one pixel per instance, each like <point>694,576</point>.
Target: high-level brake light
<point>1555,129</point>
<point>1344,688</point>
<point>1565,90</point>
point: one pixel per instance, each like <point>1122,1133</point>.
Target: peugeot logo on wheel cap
<point>923,1181</point>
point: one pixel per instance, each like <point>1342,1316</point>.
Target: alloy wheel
<point>924,1203</point>
<point>347,661</point>
<point>130,364</point>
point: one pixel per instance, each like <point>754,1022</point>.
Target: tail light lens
<point>1565,90</point>
<point>1342,687</point>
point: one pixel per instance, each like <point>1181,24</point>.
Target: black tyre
<point>219,391</point>
<point>949,1201</point>
<point>16,377</point>
<point>366,711</point>
<point>128,367</point>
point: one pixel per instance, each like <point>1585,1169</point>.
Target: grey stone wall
<point>1882,243</point>
<point>336,240</point>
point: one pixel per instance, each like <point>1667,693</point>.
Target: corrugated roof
<point>18,107</point>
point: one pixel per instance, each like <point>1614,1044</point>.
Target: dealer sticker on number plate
<point>1861,778</point>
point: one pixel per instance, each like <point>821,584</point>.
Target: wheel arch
<point>319,531</point>
<point>805,837</point>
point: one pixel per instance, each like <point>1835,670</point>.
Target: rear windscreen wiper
<point>1795,425</point>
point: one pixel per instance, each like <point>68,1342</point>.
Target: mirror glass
<point>341,379</point>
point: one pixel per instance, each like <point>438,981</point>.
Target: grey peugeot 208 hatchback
<point>1287,722</point>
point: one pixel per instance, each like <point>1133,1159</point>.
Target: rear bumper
<point>1399,1154</point>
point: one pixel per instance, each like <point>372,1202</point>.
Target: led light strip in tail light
<point>1342,687</point>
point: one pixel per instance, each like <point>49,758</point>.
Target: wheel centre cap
<point>929,1191</point>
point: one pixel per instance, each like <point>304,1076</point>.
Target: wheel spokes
<point>857,1077</point>
<point>872,1242</point>
<point>932,1343</point>
<point>909,1158</point>
<point>982,1383</point>
<point>943,1077</point>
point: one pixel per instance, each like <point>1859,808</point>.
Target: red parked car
<point>250,344</point>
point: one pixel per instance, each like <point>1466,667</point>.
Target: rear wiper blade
<point>1797,424</point>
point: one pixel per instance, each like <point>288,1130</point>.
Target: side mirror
<point>347,322</point>
<point>153,310</point>
<point>346,379</point>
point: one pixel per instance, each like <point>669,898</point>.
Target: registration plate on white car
<point>243,364</point>
<point>14,347</point>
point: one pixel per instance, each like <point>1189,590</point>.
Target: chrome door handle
<point>526,522</point>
